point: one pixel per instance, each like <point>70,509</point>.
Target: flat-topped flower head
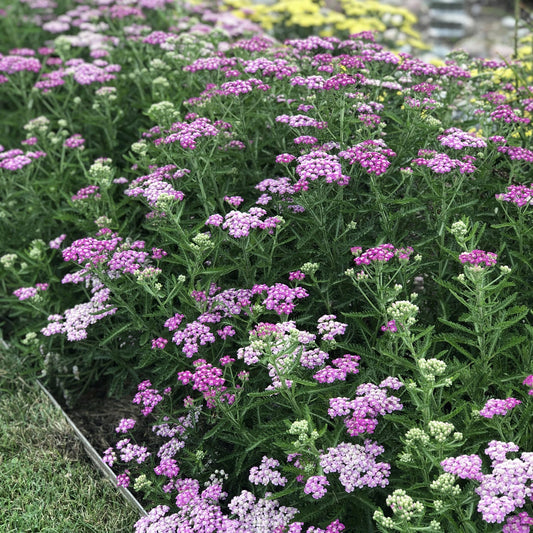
<point>478,258</point>
<point>520,195</point>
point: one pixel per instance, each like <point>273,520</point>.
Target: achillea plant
<point>308,262</point>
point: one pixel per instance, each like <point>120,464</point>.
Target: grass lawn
<point>47,483</point>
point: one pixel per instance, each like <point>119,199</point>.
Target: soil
<point>97,416</point>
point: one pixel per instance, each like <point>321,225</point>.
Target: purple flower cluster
<point>159,343</point>
<point>443,163</point>
<point>329,328</point>
<point>74,141</point>
<point>115,256</point>
<point>232,88</point>
<point>280,297</point>
<point>529,383</point>
<point>301,121</point>
<point>16,159</point>
<point>208,380</point>
<point>464,466</point>
<point>125,425</point>
<point>356,465</point>
<point>457,139</point>
<point>56,243</point>
<point>382,253</point>
<point>266,473</point>
<point>26,293</point>
<point>148,397</point>
<point>506,488</point>
<point>153,185</point>
<point>201,512</point>
<point>188,134</point>
<point>319,163</point>
<point>316,486</point>
<point>361,413</point>
<point>519,195</point>
<point>74,322</point>
<point>342,366</point>
<point>239,223</point>
<point>130,452</point>
<point>495,407</point>
<point>507,114</point>
<point>478,258</point>
<point>517,153</point>
<point>13,63</point>
<point>371,155</point>
<point>91,191</point>
<point>518,524</point>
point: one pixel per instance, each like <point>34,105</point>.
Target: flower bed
<point>308,263</point>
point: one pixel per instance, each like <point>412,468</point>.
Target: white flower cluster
<point>404,312</point>
<point>403,506</point>
<point>445,484</point>
<point>440,431</point>
<point>431,368</point>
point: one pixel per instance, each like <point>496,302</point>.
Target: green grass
<point>47,483</point>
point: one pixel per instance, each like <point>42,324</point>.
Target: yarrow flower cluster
<point>520,195</point>
<point>361,413</point>
<point>240,223</point>
<point>356,465</point>
<point>478,258</point>
<point>26,293</point>
<point>372,155</point>
<point>458,139</point>
<point>382,253</point>
<point>266,473</point>
<point>506,488</point>
<point>495,407</point>
<point>442,163</point>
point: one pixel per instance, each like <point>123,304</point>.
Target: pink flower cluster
<point>507,114</point>
<point>457,139</point>
<point>74,322</point>
<point>478,258</point>
<point>280,297</point>
<point>301,121</point>
<point>239,223</point>
<point>125,425</point>
<point>208,380</point>
<point>356,465</point>
<point>443,163</point>
<point>342,366</point>
<point>188,134</point>
<point>518,524</point>
<point>56,243</point>
<point>117,256</point>
<point>153,185</point>
<point>147,396</point>
<point>11,64</point>
<point>361,413</point>
<point>517,153</point>
<point>319,163</point>
<point>382,253</point>
<point>16,159</point>
<point>329,328</point>
<point>506,488</point>
<point>91,191</point>
<point>316,486</point>
<point>519,195</point>
<point>495,407</point>
<point>371,155</point>
<point>74,141</point>
<point>26,293</point>
<point>266,473</point>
